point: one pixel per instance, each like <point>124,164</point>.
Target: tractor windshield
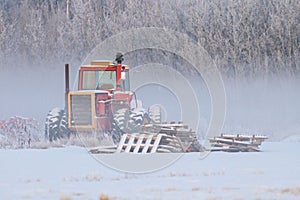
<point>100,80</point>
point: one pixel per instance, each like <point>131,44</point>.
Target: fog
<point>31,92</point>
<point>258,106</point>
<point>265,107</point>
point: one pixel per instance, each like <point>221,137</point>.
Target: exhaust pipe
<point>119,59</point>
<point>67,87</point>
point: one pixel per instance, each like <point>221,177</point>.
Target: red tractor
<point>103,103</point>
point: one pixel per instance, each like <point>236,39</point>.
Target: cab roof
<point>104,64</point>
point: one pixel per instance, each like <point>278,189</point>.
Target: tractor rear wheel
<point>155,114</point>
<point>56,125</point>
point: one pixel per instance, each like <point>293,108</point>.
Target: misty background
<point>255,45</point>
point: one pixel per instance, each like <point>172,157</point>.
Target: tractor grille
<point>81,110</point>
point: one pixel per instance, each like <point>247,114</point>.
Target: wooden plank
<point>231,141</point>
<point>133,145</point>
<point>262,137</point>
<point>162,150</point>
<point>156,143</point>
<point>149,132</point>
<point>102,150</point>
<point>237,143</point>
<point>131,140</point>
<point>138,144</point>
<point>121,143</point>
<point>170,125</point>
<point>169,148</point>
<point>148,141</point>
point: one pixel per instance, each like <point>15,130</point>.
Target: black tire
<point>155,114</point>
<point>118,124</point>
<point>56,125</point>
<point>137,119</point>
<point>127,122</point>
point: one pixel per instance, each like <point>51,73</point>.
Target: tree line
<point>244,37</point>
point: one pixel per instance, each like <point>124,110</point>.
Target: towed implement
<point>104,104</point>
<point>161,138</point>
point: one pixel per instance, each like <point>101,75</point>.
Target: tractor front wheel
<point>127,122</point>
<point>56,125</point>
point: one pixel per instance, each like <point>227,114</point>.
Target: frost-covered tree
<point>245,38</point>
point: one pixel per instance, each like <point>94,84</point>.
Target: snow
<point>72,173</point>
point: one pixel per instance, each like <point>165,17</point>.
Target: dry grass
<point>230,188</point>
<point>171,189</point>
<point>46,145</point>
<point>214,198</point>
<point>33,180</point>
<point>90,140</point>
<point>213,173</point>
<point>194,189</point>
<point>104,197</point>
<point>80,139</point>
<point>238,198</point>
<point>77,194</point>
<point>87,178</point>
<point>293,191</point>
<point>93,178</point>
<point>64,197</point>
<point>171,174</point>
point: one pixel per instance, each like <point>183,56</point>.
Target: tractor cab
<point>104,75</point>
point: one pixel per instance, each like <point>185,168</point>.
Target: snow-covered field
<point>72,173</point>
